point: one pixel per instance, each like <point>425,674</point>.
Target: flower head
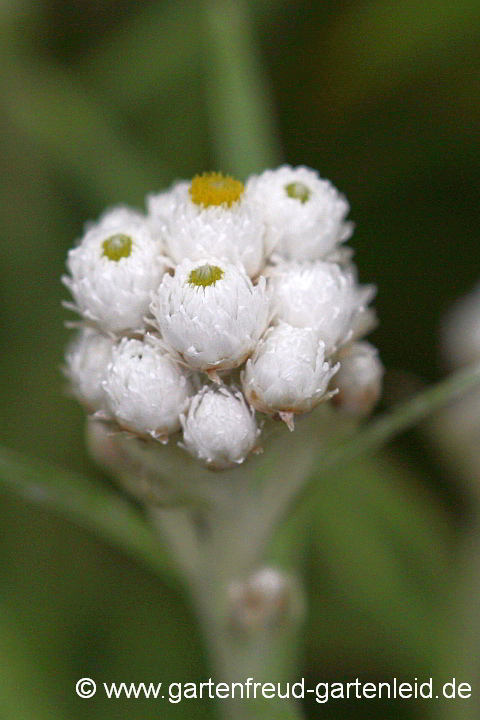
<point>359,380</point>
<point>304,216</point>
<point>210,313</point>
<point>219,428</point>
<point>113,271</point>
<point>319,295</point>
<point>145,389</point>
<point>209,217</point>
<point>87,359</point>
<point>288,372</point>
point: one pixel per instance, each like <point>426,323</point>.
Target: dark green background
<point>102,102</point>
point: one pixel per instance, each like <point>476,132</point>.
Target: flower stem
<point>238,98</point>
<point>265,655</point>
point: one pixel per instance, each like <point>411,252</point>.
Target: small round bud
<point>219,428</point>
<point>209,217</point>
<point>304,215</point>
<point>87,359</point>
<point>287,373</point>
<point>321,296</point>
<point>461,331</point>
<point>269,598</point>
<point>113,271</point>
<point>359,380</point>
<point>364,322</point>
<point>146,390</point>
<point>211,314</point>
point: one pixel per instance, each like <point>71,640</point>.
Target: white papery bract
<point>287,372</point>
<point>213,327</point>
<point>318,295</point>
<point>87,359</point>
<point>304,216</point>
<point>115,294</point>
<point>234,234</point>
<point>219,428</point>
<point>359,380</point>
<point>146,390</point>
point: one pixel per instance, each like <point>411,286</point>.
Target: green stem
<point>275,500</point>
<point>265,655</point>
<point>386,427</point>
<point>237,92</point>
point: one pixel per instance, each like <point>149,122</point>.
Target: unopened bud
<point>359,380</point>
<point>269,598</point>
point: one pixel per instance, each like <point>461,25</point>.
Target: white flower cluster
<point>222,301</point>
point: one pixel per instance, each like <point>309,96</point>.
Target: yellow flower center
<point>205,275</point>
<point>214,188</point>
<point>298,191</point>
<point>117,246</point>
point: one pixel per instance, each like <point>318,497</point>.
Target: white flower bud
<point>303,214</point>
<point>267,598</point>
<point>146,390</point>
<point>87,359</point>
<point>211,314</point>
<point>461,331</point>
<point>113,271</point>
<point>457,427</point>
<point>219,428</point>
<point>321,296</point>
<point>287,373</point>
<point>364,322</point>
<point>209,217</point>
<point>359,380</point>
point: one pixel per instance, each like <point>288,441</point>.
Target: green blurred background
<point>102,102</point>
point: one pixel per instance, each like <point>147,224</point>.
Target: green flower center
<point>298,191</point>
<point>117,247</point>
<point>205,275</point>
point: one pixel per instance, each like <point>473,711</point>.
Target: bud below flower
<point>321,296</point>
<point>269,598</point>
<point>146,390</point>
<point>87,358</point>
<point>287,373</point>
<point>359,380</point>
<point>461,331</point>
<point>211,314</point>
<point>219,428</point>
